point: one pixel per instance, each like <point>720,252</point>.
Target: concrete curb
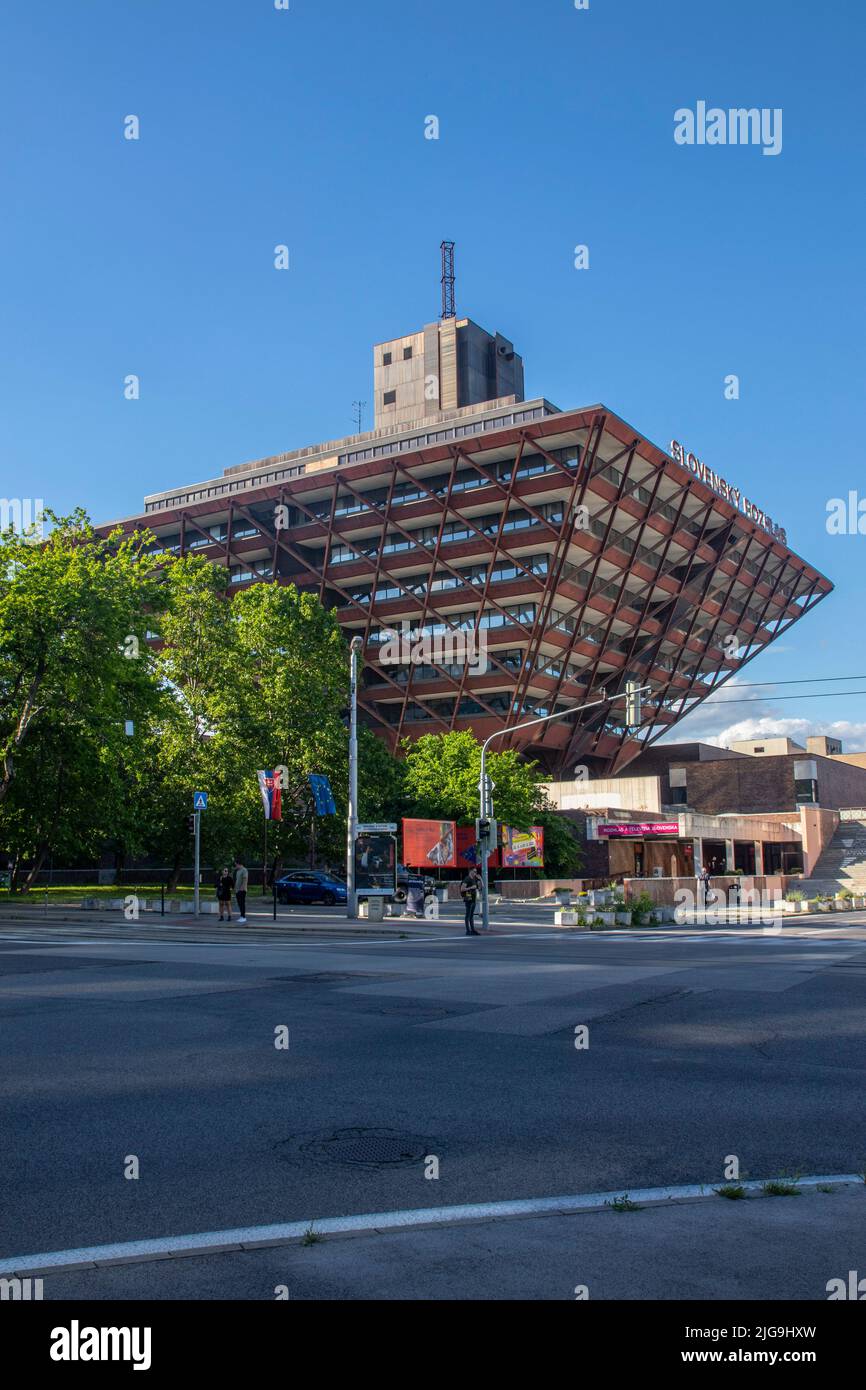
<point>239,1239</point>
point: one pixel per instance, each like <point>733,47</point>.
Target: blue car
<point>310,886</point>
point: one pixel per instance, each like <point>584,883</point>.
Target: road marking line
<point>260,1237</point>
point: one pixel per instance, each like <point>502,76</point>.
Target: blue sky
<point>306,127</point>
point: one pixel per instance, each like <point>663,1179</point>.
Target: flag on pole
<point>272,796</point>
<point>323,797</point>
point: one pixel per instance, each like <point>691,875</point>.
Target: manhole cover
<point>365,1148</point>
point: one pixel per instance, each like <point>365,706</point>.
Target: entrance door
<point>744,856</point>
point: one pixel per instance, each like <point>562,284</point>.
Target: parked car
<point>310,886</point>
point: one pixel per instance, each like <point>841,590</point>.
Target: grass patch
<point>311,1237</point>
<point>825,1187</point>
<point>734,1191</point>
<point>624,1203</point>
<point>780,1187</point>
<point>75,892</point>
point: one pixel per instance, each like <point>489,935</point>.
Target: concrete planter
<point>622,919</point>
<point>563,897</point>
<point>840,904</point>
<point>608,919</point>
<point>600,897</point>
<point>644,919</point>
<point>565,917</point>
<point>822,906</point>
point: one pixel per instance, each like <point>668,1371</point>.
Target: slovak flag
<point>272,796</point>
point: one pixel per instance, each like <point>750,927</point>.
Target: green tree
<point>443,771</point>
<point>288,687</point>
<point>72,633</point>
<point>185,748</point>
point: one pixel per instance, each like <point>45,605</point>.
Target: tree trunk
<point>41,852</point>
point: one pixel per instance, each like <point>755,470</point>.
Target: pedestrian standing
<point>242,878</point>
<point>224,886</point>
<point>705,880</point>
<point>469,893</point>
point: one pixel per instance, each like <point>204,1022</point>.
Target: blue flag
<point>322,795</point>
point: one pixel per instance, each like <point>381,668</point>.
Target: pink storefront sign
<point>660,827</point>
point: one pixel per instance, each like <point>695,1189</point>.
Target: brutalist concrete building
<point>563,544</point>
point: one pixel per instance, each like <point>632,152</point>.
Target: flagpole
<point>265,860</point>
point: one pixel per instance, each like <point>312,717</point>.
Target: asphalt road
<point>158,1044</point>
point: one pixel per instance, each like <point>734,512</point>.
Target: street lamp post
<point>632,693</point>
<point>355,648</point>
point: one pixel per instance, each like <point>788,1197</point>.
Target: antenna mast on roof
<point>448,307</point>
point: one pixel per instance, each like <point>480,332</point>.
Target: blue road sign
<point>199,801</point>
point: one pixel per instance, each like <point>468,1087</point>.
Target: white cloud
<point>709,724</point>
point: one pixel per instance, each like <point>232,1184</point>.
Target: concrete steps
<point>843,863</point>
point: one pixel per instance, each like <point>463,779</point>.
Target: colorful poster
<point>272,796</point>
<point>430,844</point>
<point>523,849</point>
<point>467,850</point>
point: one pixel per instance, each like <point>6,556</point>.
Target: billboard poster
<point>375,862</point>
<point>430,844</point>
<point>523,849</point>
<point>467,850</point>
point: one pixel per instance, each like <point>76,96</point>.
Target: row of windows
<point>531,466</point>
<point>518,520</point>
<point>183,499</point>
<point>444,580</point>
<point>253,569</point>
<point>423,441</point>
<point>388,357</point>
<point>500,704</point>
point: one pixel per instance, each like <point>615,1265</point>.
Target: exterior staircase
<point>843,863</point>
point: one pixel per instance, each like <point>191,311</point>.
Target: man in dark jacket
<point>469,892</point>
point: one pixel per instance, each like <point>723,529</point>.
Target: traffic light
<point>190,823</point>
<point>486,832</point>
<point>632,703</point>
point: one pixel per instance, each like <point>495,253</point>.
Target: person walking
<point>242,878</point>
<point>469,893</point>
<point>224,886</point>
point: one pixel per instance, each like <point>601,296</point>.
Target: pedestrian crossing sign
<point>199,801</point>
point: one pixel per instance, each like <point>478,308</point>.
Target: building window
<point>386,359</point>
<point>407,353</point>
<point>390,398</point>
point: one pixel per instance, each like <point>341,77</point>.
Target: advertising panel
<point>467,850</point>
<point>375,863</point>
<point>523,849</point>
<point>430,844</point>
